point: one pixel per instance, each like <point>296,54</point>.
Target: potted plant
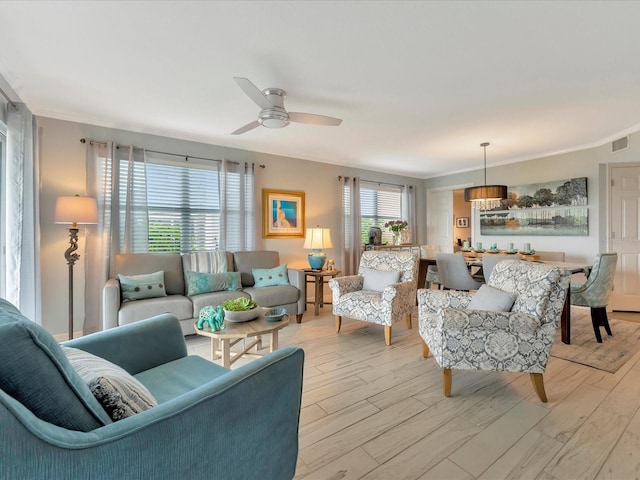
<point>240,309</point>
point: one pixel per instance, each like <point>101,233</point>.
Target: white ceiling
<point>419,84</point>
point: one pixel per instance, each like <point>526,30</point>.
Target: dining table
<point>568,267</point>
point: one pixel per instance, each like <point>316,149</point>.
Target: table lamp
<point>74,211</point>
<point>317,239</point>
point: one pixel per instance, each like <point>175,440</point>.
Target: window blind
<point>378,205</point>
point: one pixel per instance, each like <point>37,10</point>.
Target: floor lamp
<point>74,211</point>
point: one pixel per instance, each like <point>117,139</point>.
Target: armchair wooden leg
<point>425,349</point>
<point>387,335</point>
<point>446,381</point>
<point>338,320</point>
<point>595,320</point>
<point>538,385</point>
<point>409,321</point>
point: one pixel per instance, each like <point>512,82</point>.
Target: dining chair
<point>490,261</point>
<point>429,251</point>
<point>551,256</point>
<point>595,292</point>
<point>454,273</point>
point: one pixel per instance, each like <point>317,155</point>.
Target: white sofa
<point>187,308</point>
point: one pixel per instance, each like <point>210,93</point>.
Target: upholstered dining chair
<point>490,261</point>
<point>383,292</point>
<point>432,277</point>
<point>508,325</point>
<point>454,273</point>
<point>595,292</point>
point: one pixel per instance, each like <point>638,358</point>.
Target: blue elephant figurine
<point>214,316</point>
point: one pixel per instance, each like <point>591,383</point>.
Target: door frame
<point>606,210</point>
<point>450,188</point>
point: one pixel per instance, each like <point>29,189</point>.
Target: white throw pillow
<point>119,393</point>
<point>492,299</point>
<point>376,280</point>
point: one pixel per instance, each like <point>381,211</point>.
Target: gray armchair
<point>383,292</point>
<point>462,335</point>
<point>210,422</point>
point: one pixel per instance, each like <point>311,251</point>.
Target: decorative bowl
<point>241,315</point>
<point>274,314</point>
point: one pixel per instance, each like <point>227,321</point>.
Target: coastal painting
<point>283,214</point>
<point>552,208</point>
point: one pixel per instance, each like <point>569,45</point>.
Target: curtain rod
<point>8,98</point>
<point>340,177</point>
<point>186,157</point>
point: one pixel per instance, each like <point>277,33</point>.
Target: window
<point>379,203</point>
<point>179,212</point>
<point>165,205</point>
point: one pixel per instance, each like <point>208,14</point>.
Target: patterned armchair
<point>596,290</point>
<point>517,341</point>
<point>384,305</point>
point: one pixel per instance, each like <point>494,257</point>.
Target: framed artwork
<point>462,222</point>
<point>282,214</point>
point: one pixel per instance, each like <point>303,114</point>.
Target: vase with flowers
<point>396,227</point>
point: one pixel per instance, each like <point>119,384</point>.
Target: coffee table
<point>236,331</point>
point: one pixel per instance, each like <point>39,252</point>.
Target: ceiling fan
<point>272,113</point>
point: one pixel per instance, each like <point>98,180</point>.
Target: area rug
<point>609,355</point>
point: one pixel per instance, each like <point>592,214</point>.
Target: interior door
<point>440,219</point>
<point>625,236</point>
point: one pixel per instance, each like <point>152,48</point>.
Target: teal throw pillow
<point>138,287</point>
<point>270,277</point>
<point>198,283</point>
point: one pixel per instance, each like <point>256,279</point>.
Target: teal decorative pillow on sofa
<point>198,283</point>
<point>35,371</point>
<point>270,277</point>
<point>119,393</point>
<point>137,287</point>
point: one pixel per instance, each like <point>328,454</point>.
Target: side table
<point>318,278</point>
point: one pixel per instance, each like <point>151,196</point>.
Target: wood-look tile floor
<point>375,412</point>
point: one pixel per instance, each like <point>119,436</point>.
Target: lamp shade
<point>485,192</point>
<point>76,210</point>
<point>318,238</point>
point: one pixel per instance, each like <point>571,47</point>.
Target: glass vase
<point>396,238</point>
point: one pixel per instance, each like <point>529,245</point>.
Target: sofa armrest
<point>138,346</point>
<point>244,424</point>
<point>110,303</point>
<point>433,300</point>
<point>297,279</point>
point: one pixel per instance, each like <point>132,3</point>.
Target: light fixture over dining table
<point>485,197</point>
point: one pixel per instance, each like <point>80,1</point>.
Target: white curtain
<point>351,240</point>
<point>408,206</point>
<point>22,212</point>
<point>108,166</point>
<point>237,206</point>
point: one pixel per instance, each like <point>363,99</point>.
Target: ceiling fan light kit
<point>272,113</point>
<point>485,197</point>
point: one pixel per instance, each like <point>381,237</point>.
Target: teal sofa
<point>210,422</point>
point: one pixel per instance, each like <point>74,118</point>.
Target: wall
<point>64,173</point>
<point>590,163</point>
<point>461,209</point>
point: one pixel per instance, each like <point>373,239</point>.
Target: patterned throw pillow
<point>198,283</point>
<point>119,393</point>
<point>377,280</point>
<point>138,287</point>
<point>270,277</point>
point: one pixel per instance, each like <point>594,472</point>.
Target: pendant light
<point>485,197</point>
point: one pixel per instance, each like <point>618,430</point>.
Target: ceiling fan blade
<point>253,92</point>
<point>314,119</point>
<point>246,128</point>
